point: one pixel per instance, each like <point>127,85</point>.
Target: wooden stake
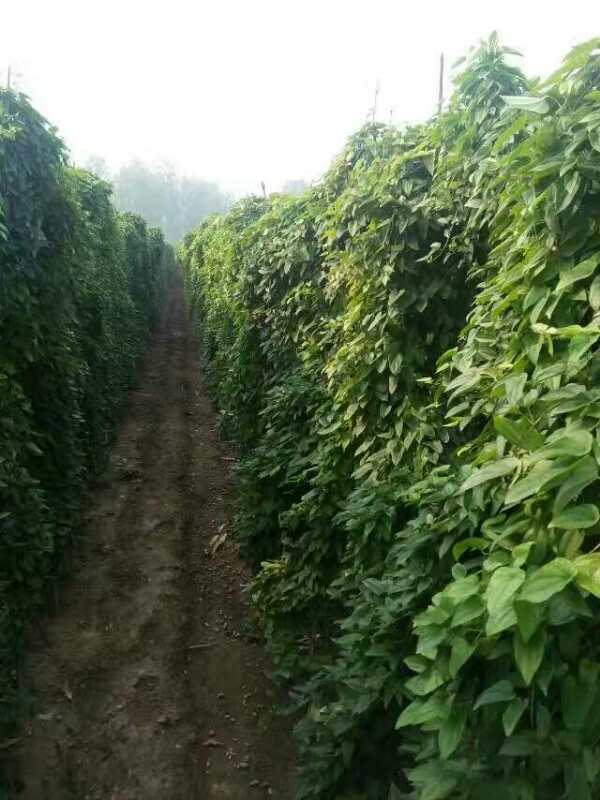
<point>441,84</point>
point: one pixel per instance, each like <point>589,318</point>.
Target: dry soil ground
<point>148,682</point>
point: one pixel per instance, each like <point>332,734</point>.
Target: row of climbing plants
<point>80,287</point>
<point>408,356</point>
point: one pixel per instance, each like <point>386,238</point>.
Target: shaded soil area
<point>148,682</point>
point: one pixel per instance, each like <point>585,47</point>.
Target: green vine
<point>408,356</point>
<point>79,289</point>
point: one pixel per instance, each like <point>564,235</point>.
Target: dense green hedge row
<point>79,290</point>
<point>408,355</point>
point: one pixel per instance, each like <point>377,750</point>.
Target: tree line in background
<point>170,201</point>
<point>408,355</point>
<point>175,203</point>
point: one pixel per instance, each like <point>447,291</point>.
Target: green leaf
<point>544,474</point>
<point>497,469</point>
<point>577,273</point>
<point>451,732</point>
<point>529,654</point>
<point>575,443</point>
<point>425,683</point>
<point>518,746</point>
<point>504,584</point>
<point>595,293</point>
<point>521,552</point>
<point>512,715</point>
<point>535,105</point>
<point>500,692</point>
<point>514,386</point>
<point>463,588</point>
<point>396,363</point>
<point>588,573</point>
<point>581,475</point>
<point>421,711</point>
<point>576,782</point>
<point>417,663</point>
<point>572,187</point>
<point>461,652</point>
<point>473,543</point>
<point>501,621</point>
<point>430,638</point>
<point>520,433</point>
<point>545,582</point>
<point>433,779</point>
<point>468,611</point>
<point>577,517</point>
<point>529,617</point>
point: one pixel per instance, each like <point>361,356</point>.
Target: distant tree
<point>175,204</point>
<point>98,165</point>
<point>295,186</point>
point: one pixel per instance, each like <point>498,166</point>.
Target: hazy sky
<point>240,92</point>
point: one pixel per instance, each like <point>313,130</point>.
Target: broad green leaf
<point>396,363</point>
<point>529,654</point>
<point>463,588</point>
<point>595,293</point>
<point>518,746</point>
<point>529,617</point>
<point>461,652</point>
<point>500,692</point>
<point>501,621</point>
<point>425,683</point>
<point>430,638</point>
<point>451,732</point>
<point>504,584</point>
<point>575,443</point>
<point>421,711</point>
<point>545,582</point>
<point>512,715</point>
<point>473,543</point>
<point>521,552</point>
<point>535,105</point>
<point>565,332</point>
<point>497,469</point>
<point>577,517</point>
<point>433,780</point>
<point>571,189</point>
<point>576,782</point>
<point>417,663</point>
<point>575,703</point>
<point>583,473</point>
<point>588,573</point>
<point>544,474</point>
<point>468,611</point>
<point>577,273</point>
<point>520,433</point>
<point>591,763</point>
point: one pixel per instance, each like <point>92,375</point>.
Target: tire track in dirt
<point>147,686</point>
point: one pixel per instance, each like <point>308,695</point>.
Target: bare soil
<point>149,683</point>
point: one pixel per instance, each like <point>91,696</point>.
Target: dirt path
<point>148,685</point>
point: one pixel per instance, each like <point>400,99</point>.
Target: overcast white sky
<point>240,91</point>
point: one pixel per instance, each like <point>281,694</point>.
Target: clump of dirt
<point>147,685</point>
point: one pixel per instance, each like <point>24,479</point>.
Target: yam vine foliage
<point>408,355</point>
<point>79,290</point>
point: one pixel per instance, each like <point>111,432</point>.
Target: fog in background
<point>237,93</point>
<point>171,201</point>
